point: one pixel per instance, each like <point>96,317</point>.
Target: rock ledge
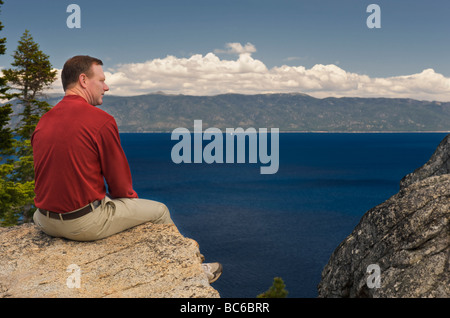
<point>147,261</point>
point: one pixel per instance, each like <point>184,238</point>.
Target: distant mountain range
<point>160,112</point>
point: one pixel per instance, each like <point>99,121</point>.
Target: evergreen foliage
<point>30,74</point>
<point>6,135</point>
<point>277,290</point>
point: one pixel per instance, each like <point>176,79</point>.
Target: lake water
<point>280,225</point>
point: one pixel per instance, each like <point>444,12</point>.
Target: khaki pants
<point>110,217</point>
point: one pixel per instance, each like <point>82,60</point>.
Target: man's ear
<point>82,80</point>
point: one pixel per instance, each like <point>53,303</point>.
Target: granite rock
<point>147,261</point>
<point>438,164</point>
<point>400,248</point>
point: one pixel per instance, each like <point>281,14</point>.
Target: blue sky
<point>414,37</point>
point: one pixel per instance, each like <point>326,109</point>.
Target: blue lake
<point>261,226</point>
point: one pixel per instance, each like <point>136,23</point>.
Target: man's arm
<point>114,163</point>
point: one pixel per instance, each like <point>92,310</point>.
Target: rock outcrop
<point>401,247</point>
<point>439,164</point>
<point>147,261</point>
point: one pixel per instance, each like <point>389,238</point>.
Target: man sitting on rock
<point>76,148</point>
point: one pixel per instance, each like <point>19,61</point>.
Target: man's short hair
<point>76,66</point>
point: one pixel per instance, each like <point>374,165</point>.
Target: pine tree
<point>31,73</point>
<point>10,195</point>
<point>277,290</point>
<point>6,135</point>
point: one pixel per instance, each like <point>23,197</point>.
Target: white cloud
<point>237,48</point>
<point>292,58</point>
<point>210,75</point>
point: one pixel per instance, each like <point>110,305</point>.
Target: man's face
<point>96,86</point>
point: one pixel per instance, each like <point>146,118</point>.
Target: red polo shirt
<point>75,146</point>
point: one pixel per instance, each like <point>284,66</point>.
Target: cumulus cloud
<point>210,75</point>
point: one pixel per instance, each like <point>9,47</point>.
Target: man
<point>76,148</point>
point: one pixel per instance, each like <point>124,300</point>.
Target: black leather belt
<point>72,215</point>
